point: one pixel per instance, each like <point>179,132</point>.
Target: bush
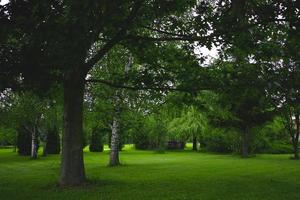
<point>151,134</point>
<point>280,148</point>
<point>53,141</point>
<point>23,142</point>
<point>141,141</point>
<point>173,145</point>
<point>272,138</point>
<point>7,137</point>
<point>96,142</point>
<point>220,140</point>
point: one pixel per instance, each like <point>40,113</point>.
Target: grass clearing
<point>149,175</point>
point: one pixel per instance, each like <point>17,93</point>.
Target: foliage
<point>52,141</point>
<point>7,136</point>
<point>151,134</point>
<point>220,140</point>
<point>23,142</point>
<point>191,122</point>
<point>272,137</point>
<point>96,141</point>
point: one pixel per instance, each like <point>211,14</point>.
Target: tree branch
<point>116,85</point>
<point>114,40</point>
<point>165,32</point>
<point>164,38</point>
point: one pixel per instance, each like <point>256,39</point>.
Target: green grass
<point>149,175</point>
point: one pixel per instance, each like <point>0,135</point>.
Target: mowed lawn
<point>150,175</point>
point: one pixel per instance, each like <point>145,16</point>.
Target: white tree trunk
<point>114,144</point>
<point>33,143</point>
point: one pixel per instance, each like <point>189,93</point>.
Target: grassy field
<point>149,175</point>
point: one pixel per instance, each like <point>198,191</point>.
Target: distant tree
<point>96,141</point>
<point>23,142</point>
<point>26,113</point>
<point>190,124</point>
<point>52,145</point>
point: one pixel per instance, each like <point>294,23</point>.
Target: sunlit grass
<point>148,175</point>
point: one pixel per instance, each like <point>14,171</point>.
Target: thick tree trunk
<point>296,139</point>
<point>246,143</point>
<point>72,165</point>
<point>114,144</point>
<point>33,154</point>
<point>194,143</point>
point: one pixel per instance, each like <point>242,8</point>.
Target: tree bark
<point>33,154</point>
<point>72,164</point>
<point>246,143</point>
<point>194,143</point>
<point>114,145</point>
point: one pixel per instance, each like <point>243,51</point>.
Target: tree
<point>244,91</point>
<point>26,112</point>
<point>190,124</point>
<point>283,90</point>
<point>37,44</point>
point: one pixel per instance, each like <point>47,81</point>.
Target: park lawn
<point>150,175</point>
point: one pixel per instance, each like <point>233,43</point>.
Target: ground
<point>149,175</point>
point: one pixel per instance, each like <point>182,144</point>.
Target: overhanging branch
<point>165,88</point>
<point>165,38</point>
<point>118,37</point>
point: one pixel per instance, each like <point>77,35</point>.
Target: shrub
<point>173,145</point>
<point>96,142</point>
<point>23,142</point>
<point>7,137</point>
<point>220,140</point>
<point>280,148</point>
<point>151,134</point>
<point>141,141</point>
<point>53,141</point>
<point>272,138</point>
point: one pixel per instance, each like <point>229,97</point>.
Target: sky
<point>2,2</point>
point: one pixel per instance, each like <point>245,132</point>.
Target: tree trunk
<point>72,164</point>
<point>296,139</point>
<point>114,145</point>
<point>246,143</point>
<point>33,154</point>
<point>194,143</point>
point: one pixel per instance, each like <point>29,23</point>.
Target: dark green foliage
<point>172,145</point>
<point>96,143</point>
<point>141,141</point>
<point>150,135</point>
<point>220,140</point>
<point>144,142</point>
<point>279,148</point>
<point>272,138</point>
<point>53,141</point>
<point>7,137</point>
<point>23,142</point>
